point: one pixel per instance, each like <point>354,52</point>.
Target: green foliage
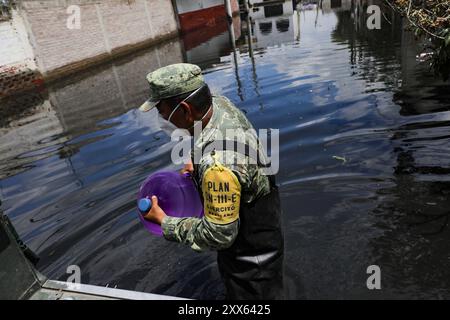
<point>430,18</point>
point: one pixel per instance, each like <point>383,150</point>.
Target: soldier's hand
<point>156,214</point>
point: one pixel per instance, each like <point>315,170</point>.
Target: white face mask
<point>168,127</point>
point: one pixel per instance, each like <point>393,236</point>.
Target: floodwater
<point>364,158</point>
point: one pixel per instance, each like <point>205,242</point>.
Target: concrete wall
<point>259,12</point>
<point>336,5</point>
<point>15,48</point>
<point>18,69</point>
<point>106,27</point>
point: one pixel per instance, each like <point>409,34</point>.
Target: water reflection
<point>73,155</point>
<point>274,24</point>
<point>77,106</point>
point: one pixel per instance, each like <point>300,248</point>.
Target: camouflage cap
<point>171,81</point>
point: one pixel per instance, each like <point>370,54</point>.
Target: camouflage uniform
<point>202,234</point>
<point>242,218</point>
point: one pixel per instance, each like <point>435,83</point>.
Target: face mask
<point>168,127</point>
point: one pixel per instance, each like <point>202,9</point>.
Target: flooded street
<point>364,158</point>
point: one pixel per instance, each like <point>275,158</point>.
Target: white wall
<point>345,5</point>
<point>15,48</point>
<point>258,12</point>
<point>184,6</point>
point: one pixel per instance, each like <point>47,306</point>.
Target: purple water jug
<point>177,196</point>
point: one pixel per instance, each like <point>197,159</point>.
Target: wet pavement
<point>364,158</point>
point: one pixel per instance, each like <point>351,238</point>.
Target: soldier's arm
<point>220,225</point>
<point>200,234</point>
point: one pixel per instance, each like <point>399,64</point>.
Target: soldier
<point>242,219</point>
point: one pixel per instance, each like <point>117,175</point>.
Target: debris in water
<point>425,56</point>
<point>340,158</point>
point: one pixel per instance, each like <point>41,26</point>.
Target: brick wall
<point>106,26</point>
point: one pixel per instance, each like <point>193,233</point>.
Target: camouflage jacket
<point>225,180</point>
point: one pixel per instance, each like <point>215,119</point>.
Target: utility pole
<point>229,10</point>
<point>247,9</point>
<point>175,12</point>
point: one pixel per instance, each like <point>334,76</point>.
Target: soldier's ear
<point>188,110</point>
